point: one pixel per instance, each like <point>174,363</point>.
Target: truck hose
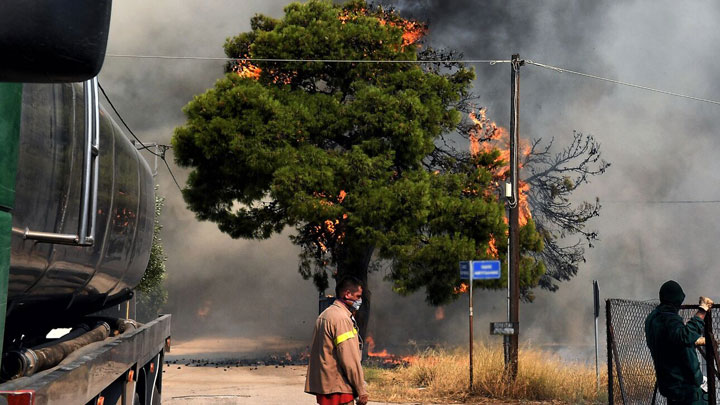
<point>26,362</point>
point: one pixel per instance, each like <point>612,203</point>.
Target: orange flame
<point>204,310</point>
<point>462,289</point>
<point>387,358</point>
<point>439,313</point>
<point>485,137</point>
<point>492,250</point>
<point>413,31</point>
<point>248,70</point>
<point>328,229</point>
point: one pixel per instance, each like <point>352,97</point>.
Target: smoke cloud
<point>662,148</point>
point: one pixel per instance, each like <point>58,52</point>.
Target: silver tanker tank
<point>84,206</point>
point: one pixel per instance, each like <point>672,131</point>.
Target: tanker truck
<point>76,219</point>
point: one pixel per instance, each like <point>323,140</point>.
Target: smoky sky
<point>661,148</point>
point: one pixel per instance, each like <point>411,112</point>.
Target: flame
<point>439,314</point>
<point>413,31</point>
<point>388,359</point>
<point>328,229</point>
<point>492,250</point>
<point>246,69</point>
<point>462,289</point>
<point>485,137</point>
<point>204,310</point>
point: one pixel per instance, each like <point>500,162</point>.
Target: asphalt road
<point>235,385</point>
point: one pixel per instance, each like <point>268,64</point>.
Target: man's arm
<point>349,358</point>
<point>689,333</point>
<point>684,334</point>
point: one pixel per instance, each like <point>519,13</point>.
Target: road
<point>217,384</point>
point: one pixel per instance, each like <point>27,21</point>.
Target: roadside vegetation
<point>441,376</point>
<point>151,294</point>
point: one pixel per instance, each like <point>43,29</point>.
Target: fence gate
<point>631,374</point>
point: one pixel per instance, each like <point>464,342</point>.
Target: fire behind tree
<point>348,154</point>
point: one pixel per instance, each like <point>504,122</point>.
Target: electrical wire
<point>468,61</point>
<point>123,121</point>
<point>171,173</point>
<point>282,60</point>
<point>143,146</point>
<point>622,83</point>
<point>661,202</point>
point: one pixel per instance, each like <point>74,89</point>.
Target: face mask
<point>356,304</point>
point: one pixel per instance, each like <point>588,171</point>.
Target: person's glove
<point>700,341</point>
<point>706,303</point>
<point>363,399</point>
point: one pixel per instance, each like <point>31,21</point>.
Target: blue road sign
<point>481,269</point>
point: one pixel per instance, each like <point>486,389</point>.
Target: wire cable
<point>143,146</point>
<point>123,121</point>
<point>661,202</point>
<point>468,61</point>
<point>622,83</point>
<point>171,173</point>
<point>280,60</point>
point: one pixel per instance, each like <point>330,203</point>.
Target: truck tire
<point>156,396</point>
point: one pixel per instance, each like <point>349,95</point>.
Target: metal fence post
<point>609,353</point>
<point>710,357</point>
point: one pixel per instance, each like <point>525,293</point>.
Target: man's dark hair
<point>347,283</point>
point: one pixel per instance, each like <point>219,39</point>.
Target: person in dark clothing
<point>672,345</point>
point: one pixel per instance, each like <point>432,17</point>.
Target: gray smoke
<point>661,147</point>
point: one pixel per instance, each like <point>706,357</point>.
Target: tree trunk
<point>357,266</point>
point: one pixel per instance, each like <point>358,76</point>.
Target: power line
<point>619,82</point>
<point>468,61</point>
<point>123,121</point>
<point>282,60</point>
<point>164,148</point>
<point>661,202</point>
<point>169,170</point>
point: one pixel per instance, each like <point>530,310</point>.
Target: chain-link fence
<point>629,361</point>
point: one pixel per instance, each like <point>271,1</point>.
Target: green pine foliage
<point>151,294</point>
<point>341,152</point>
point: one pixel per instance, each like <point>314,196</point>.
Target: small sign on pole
<point>480,269</point>
<point>477,270</point>
<point>503,328</point>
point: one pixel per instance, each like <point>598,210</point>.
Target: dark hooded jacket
<point>672,345</point>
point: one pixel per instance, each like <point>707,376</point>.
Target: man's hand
<point>705,303</point>
<point>363,399</point>
<point>700,341</point>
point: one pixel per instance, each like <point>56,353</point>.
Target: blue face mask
<point>356,304</point>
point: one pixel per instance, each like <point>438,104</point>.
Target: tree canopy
<point>348,153</point>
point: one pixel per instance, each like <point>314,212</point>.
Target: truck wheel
<point>156,396</point>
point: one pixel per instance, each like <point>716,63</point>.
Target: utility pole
<point>514,265</point>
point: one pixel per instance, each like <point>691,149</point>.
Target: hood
<point>671,293</point>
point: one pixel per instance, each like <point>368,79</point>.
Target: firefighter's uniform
<point>334,365</point>
<point>672,345</point>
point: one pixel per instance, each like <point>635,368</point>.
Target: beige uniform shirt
<point>335,354</point>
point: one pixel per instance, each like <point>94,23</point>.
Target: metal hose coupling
<point>18,363</point>
<point>26,362</point>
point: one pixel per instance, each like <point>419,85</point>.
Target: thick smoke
<point>661,148</point>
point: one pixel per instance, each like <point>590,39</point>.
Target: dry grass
<point>441,375</point>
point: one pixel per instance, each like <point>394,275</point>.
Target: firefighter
<point>334,373</point>
<point>672,345</point>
